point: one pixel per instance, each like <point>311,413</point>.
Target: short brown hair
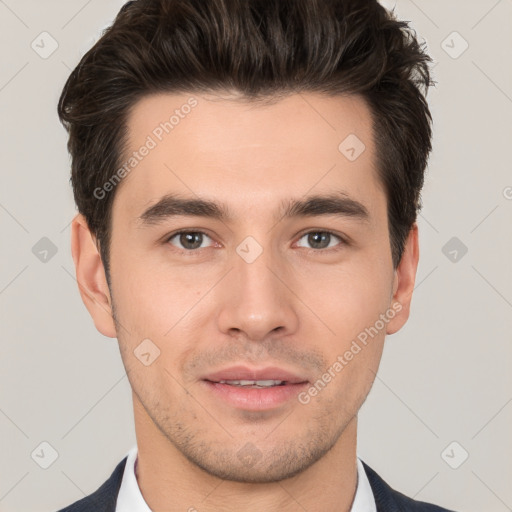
<point>260,48</point>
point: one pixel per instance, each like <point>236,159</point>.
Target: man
<point>248,176</point>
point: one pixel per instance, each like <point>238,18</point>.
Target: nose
<point>257,298</point>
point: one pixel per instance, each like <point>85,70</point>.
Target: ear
<point>403,282</point>
<point>90,275</point>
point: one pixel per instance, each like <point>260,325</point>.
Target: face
<point>279,270</point>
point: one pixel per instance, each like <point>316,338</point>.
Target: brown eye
<point>189,240</point>
<point>321,239</point>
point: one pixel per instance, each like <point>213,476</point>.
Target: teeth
<point>254,383</point>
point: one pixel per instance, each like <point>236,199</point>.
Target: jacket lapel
<point>104,498</point>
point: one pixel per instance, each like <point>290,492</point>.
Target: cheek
<point>350,301</point>
<point>347,299</point>
<point>151,300</point>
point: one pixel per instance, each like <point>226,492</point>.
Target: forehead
<point>245,152</point>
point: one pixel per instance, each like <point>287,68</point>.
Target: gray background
<point>444,378</point>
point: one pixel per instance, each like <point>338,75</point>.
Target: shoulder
<point>389,500</point>
<point>104,498</point>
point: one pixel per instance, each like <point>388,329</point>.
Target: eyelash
<point>194,252</point>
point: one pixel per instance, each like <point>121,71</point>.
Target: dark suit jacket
<point>387,499</point>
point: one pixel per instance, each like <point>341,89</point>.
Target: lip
<point>245,373</point>
<point>254,399</point>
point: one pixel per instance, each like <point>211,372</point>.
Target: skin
<point>294,307</point>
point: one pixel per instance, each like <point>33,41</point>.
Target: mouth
<point>245,376</point>
<point>254,389</point>
<point>257,384</point>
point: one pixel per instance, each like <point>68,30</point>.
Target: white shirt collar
<point>364,500</point>
<point>130,498</point>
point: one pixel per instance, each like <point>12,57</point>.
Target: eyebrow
<point>173,205</point>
